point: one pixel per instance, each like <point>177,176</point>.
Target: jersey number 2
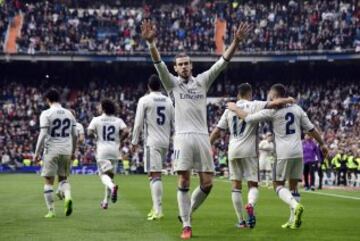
<point>290,118</point>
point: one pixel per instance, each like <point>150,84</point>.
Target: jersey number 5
<point>290,118</point>
<point>160,119</point>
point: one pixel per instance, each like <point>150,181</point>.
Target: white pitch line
<point>318,193</point>
<point>333,195</point>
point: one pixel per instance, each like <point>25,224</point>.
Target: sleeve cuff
<point>226,60</point>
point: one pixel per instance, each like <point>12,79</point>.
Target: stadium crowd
<point>112,28</point>
<point>335,110</point>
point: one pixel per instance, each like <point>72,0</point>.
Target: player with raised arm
<point>154,118</point>
<point>288,122</point>
<point>191,142</point>
<point>109,132</point>
<point>243,159</point>
<point>58,137</point>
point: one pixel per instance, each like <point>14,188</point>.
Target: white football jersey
<point>59,123</point>
<point>266,150</point>
<point>79,129</point>
<point>243,136</point>
<point>107,129</point>
<point>190,97</point>
<point>154,117</point>
<point>287,125</point>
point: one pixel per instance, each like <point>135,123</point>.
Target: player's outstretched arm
<point>139,122</point>
<point>314,133</point>
<point>215,134</point>
<point>74,141</point>
<point>240,34</point>
<point>239,112</point>
<point>209,76</point>
<point>250,118</point>
<point>148,33</point>
<point>40,143</point>
<point>280,102</point>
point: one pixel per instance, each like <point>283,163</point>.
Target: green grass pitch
<point>22,209</point>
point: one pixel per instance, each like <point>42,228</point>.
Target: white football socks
<point>107,195</point>
<point>106,180</point>
<point>156,188</point>
<point>297,197</point>
<point>198,196</point>
<point>253,195</point>
<point>64,186</point>
<point>237,201</point>
<point>49,197</point>
<point>184,203</point>
<point>285,195</point>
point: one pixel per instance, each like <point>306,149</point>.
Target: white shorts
<point>288,169</point>
<point>193,151</point>
<point>265,165</point>
<point>244,169</point>
<point>55,164</point>
<point>154,157</point>
<point>107,166</point>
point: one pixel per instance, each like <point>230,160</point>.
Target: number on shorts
<point>290,118</point>
<point>160,119</point>
<point>60,128</point>
<point>108,133</point>
<point>235,126</point>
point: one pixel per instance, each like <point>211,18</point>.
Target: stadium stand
<point>59,26</point>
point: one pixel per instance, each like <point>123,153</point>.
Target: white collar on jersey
<point>241,101</point>
<point>55,105</point>
<point>155,92</point>
<point>191,79</point>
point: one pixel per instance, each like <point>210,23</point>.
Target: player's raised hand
<point>242,31</point>
<point>324,151</point>
<point>148,30</point>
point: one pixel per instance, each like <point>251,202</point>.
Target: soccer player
<point>287,122</point>
<point>154,118</point>
<point>243,160</point>
<point>58,137</point>
<point>80,137</point>
<point>191,142</point>
<point>266,157</point>
<point>109,132</point>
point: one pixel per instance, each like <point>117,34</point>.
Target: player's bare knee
<point>236,185</point>
<point>252,184</point>
<point>155,175</point>
<point>278,184</point>
<point>49,180</point>
<point>110,174</point>
<point>60,178</point>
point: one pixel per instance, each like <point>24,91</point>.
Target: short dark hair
<point>244,89</point>
<point>52,95</point>
<point>180,55</point>
<point>154,82</point>
<point>108,106</point>
<point>280,90</point>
